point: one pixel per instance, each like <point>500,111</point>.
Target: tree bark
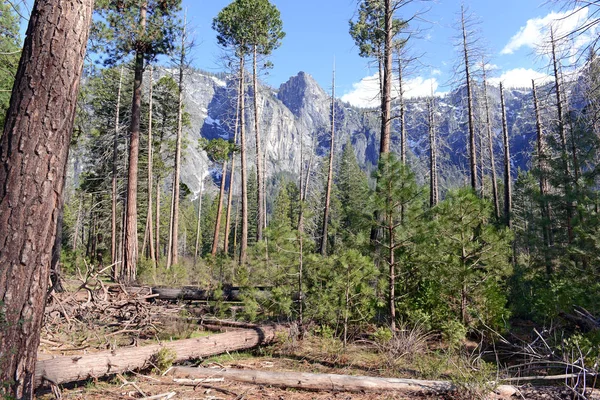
<point>129,269</point>
<point>324,233</point>
<point>33,156</point>
<point>507,178</point>
<point>433,178</point>
<point>68,368</point>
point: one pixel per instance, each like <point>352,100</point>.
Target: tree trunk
<point>259,167</point>
<point>507,178</point>
<point>329,382</point>
<point>488,123</point>
<point>215,245</point>
<point>33,156</point>
<point>174,247</point>
<point>472,149</point>
<point>68,368</point>
<point>386,99</point>
<point>197,244</point>
<point>402,107</point>
<point>329,173</point>
<point>129,270</point>
<point>543,170</point>
<point>231,175</point>
<point>433,179</point>
<point>244,238</point>
<point>114,194</point>
<point>149,221</point>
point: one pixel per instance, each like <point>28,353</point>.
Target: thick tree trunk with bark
<point>507,178</point>
<point>324,233</point>
<point>130,256</point>
<point>33,155</point>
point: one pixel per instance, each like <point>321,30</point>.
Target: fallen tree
<point>74,368</point>
<point>331,382</point>
<point>228,293</point>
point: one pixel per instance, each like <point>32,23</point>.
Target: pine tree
<point>9,55</point>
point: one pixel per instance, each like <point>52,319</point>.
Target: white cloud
<point>366,92</point>
<point>536,33</point>
<point>520,77</point>
<point>436,72</point>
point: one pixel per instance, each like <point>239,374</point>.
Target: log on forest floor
<point>228,293</point>
<point>329,382</point>
<point>93,365</point>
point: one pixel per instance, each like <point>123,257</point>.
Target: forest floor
<point>95,318</point>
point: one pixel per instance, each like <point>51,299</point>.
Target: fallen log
<point>74,368</point>
<point>310,381</point>
<point>228,293</point>
<point>330,382</point>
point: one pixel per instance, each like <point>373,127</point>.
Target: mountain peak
<point>297,90</point>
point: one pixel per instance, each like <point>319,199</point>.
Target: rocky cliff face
<point>299,113</point>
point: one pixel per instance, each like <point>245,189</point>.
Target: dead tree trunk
<point>69,369</point>
<point>472,149</point>
<point>149,219</point>
<point>173,251</point>
<point>386,95</point>
<point>433,178</point>
<point>329,173</point>
<point>231,176</point>
<point>488,123</point>
<point>129,269</point>
<point>402,107</point>
<point>114,193</point>
<point>33,156</point>
<point>215,245</point>
<point>259,166</point>
<point>197,244</point>
<point>507,178</point>
<point>244,238</point>
<point>543,182</point>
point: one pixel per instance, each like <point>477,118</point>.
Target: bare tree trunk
<point>129,270</point>
<point>544,206</point>
<point>244,238</point>
<point>392,272</point>
<point>198,223</point>
<point>488,123</point>
<point>562,135</point>
<point>402,107</point>
<point>507,178</point>
<point>149,221</point>
<point>232,174</point>
<point>324,235</point>
<point>33,156</point>
<point>259,168</point>
<point>174,248</point>
<point>433,179</point>
<point>77,226</point>
<point>114,194</point>
<point>472,149</point>
<point>215,245</point>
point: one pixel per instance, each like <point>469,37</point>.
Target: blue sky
<point>317,31</point>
